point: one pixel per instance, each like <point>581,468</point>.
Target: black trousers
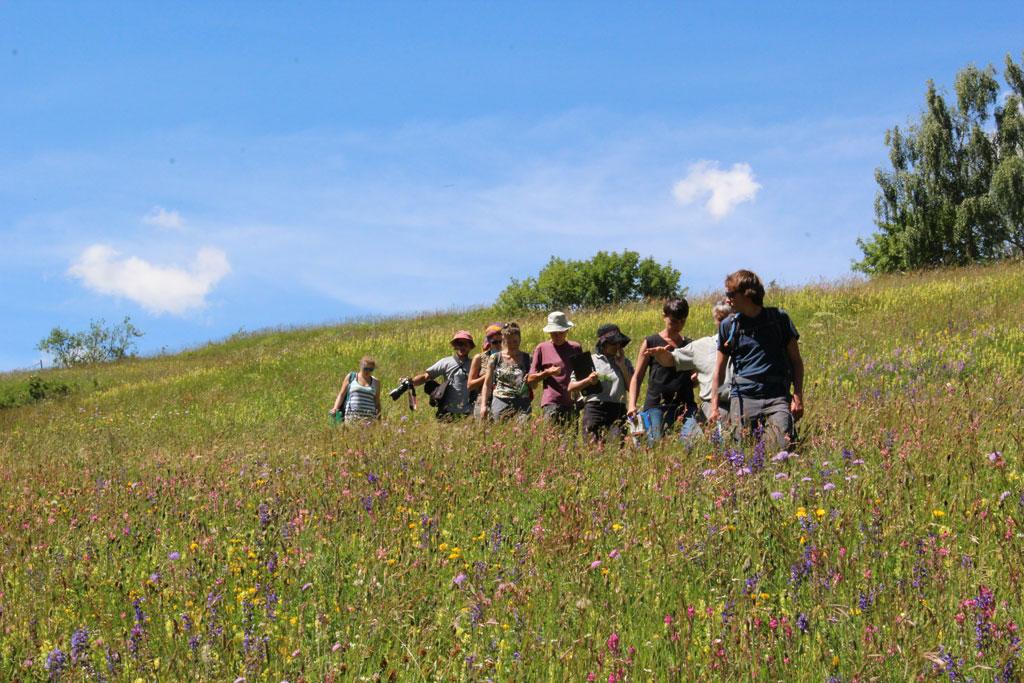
<point>604,417</point>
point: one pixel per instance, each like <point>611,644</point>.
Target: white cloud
<point>158,289</point>
<point>162,218</point>
<point>724,189</point>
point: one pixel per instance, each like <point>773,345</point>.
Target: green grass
<point>417,551</point>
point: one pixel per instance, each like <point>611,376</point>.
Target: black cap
<point>609,333</point>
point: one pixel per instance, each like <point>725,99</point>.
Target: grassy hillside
<point>196,517</point>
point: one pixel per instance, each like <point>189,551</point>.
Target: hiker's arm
<point>592,378</point>
<point>476,378</point>
<point>716,381</point>
<point>488,385</point>
<point>663,354</point>
<point>637,379</point>
<point>420,378</point>
<point>796,406</point>
<point>537,374</point>
<point>341,395</point>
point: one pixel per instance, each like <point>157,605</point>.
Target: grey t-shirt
<point>613,385</point>
<point>456,399</point>
<point>700,355</point>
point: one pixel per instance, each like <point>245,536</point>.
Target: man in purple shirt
<point>551,364</point>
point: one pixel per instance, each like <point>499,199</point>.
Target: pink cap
<point>463,335</point>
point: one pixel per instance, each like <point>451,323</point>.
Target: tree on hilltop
<point>99,344</point>
<point>606,278</point>
<point>955,192</point>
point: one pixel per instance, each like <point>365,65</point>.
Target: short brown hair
<point>367,360</point>
<point>746,282</point>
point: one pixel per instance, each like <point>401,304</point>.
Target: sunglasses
<point>496,339</point>
<point>732,294</point>
<point>369,369</point>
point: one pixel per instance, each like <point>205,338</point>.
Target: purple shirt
<point>556,389</point>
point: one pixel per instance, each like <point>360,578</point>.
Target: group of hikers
<point>749,375</point>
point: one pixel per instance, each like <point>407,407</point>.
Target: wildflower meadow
<point>198,517</point>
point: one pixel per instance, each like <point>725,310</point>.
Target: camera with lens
<point>404,385</point>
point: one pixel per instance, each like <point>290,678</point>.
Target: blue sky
<point>208,167</point>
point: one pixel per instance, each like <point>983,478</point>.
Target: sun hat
<point>464,336</point>
<point>490,331</point>
<point>609,333</point>
<point>557,322</point>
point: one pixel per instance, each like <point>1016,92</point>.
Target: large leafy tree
<point>955,192</point>
<point>606,278</point>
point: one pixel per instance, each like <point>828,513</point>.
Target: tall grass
<point>196,517</point>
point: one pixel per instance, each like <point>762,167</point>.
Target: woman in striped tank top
<point>360,394</point>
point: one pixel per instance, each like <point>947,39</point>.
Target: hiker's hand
<point>593,378</point>
<point>630,410</point>
<point>483,412</point>
<point>662,354</point>
<point>553,371</point>
<point>796,407</point>
<point>332,411</point>
<point>715,415</point>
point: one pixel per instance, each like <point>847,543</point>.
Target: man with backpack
<point>763,346</point>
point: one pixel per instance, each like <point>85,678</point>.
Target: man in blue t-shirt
<point>764,348</point>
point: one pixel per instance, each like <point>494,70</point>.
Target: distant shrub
<point>34,389</point>
<point>98,344</point>
<point>606,278</point>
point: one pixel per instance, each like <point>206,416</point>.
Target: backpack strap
<point>731,327</point>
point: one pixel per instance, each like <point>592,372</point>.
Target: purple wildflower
<point>55,663</point>
<point>802,623</point>
<point>79,643</point>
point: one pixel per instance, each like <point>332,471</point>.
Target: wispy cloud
<point>162,218</point>
<point>158,289</point>
<point>724,189</point>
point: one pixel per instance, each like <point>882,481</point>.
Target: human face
<point>461,347</point>
<point>558,338</point>
<point>740,302</point>
<point>511,341</point>
<point>368,369</point>
<point>495,341</point>
<point>611,349</point>
<point>674,324</point>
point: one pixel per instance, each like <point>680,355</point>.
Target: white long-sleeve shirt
<point>701,355</point>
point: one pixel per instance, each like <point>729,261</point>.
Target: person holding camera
<point>605,410</point>
<point>359,395</point>
<point>505,379</point>
<point>551,365</point>
<point>763,345</point>
<point>455,402</point>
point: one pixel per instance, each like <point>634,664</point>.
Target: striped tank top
<point>360,404</point>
